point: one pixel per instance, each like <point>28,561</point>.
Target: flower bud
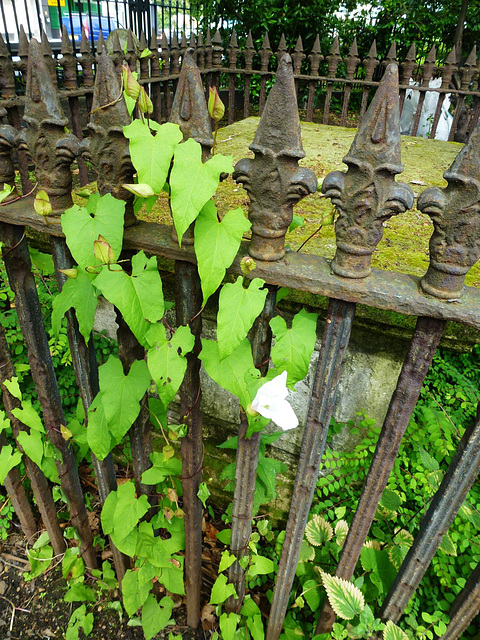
<point>216,108</point>
<point>42,204</point>
<point>247,264</point>
<point>130,84</point>
<point>144,103</point>
<point>102,251</point>
<point>70,273</point>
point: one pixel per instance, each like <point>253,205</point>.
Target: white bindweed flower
<point>270,402</point>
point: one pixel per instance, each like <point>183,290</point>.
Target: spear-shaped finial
<point>371,61</point>
<point>334,58</point>
<point>391,57</point>
<point>23,52</point>
<point>408,65</point>
<point>86,60</point>
<point>51,149</point>
<point>282,48</point>
<point>69,61</point>
<point>48,55</point>
<point>273,179</point>
<point>107,148</point>
<point>369,186</point>
<point>217,50</point>
<point>233,51</point>
<point>315,57</point>
<point>352,60</point>
<point>265,53</point>
<point>249,52</point>
<point>455,242</point>
<point>189,109</point>
<point>7,76</point>
<point>298,56</point>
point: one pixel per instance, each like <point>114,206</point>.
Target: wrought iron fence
<point>91,16</point>
<point>368,186</point>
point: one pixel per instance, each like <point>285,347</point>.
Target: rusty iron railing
<point>319,78</point>
<point>365,196</point>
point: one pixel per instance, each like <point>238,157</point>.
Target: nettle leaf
<point>293,347</point>
<point>392,632</point>
<point>156,615</point>
<point>80,294</point>
<point>152,154</point>
<point>8,460</point>
<point>238,308</point>
<point>345,598</point>
<point>427,460</point>
<point>103,216</point>
<point>121,394</point>
<point>230,372</point>
<point>221,591</point>
<point>341,531</point>
<point>166,359</point>
<point>378,564</point>
<point>390,500</point>
<point>447,546</point>
<point>403,540</point>
<point>318,531</point>
<point>193,183</point>
<point>216,244</point>
<point>139,296</point>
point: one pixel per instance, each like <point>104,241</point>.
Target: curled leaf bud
<point>247,264</point>
<point>130,84</point>
<point>142,190</point>
<point>250,411</point>
<point>103,251</point>
<point>216,108</point>
<point>42,204</point>
<point>144,103</point>
<point>70,273</point>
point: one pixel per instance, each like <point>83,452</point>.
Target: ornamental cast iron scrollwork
<point>273,179</point>
<point>45,136</point>
<point>455,212</point>
<point>367,194</point>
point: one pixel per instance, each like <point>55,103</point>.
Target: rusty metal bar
<point>426,338</point>
<point>461,475</point>
<point>16,491</point>
<point>373,161</point>
<point>247,460</point>
<point>335,340</point>
<point>17,262</point>
<point>189,111</point>
<point>314,58</point>
<point>465,607</point>
<point>85,366</point>
<point>333,60</point>
<point>40,487</point>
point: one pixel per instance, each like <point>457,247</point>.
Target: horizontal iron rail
<point>386,290</point>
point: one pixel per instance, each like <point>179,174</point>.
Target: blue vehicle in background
<point>90,24</point>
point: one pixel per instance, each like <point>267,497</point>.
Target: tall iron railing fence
<point>365,196</point>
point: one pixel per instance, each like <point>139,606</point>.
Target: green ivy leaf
<point>152,154</point>
<point>40,560</point>
<point>156,615</point>
<point>99,438</point>
<point>221,591</point>
<point>238,308</point>
<point>136,586</point>
<point>79,619</point>
<point>345,598</point>
<point>73,565</point>
<point>121,394</point>
<point>193,183</point>
<point>166,359</point>
<point>293,347</point>
<point>161,468</point>
<point>121,513</point>
<point>103,216</point>
<point>203,493</point>
<point>8,460</point>
<point>139,296</point>
<point>13,388</point>
<point>81,295</point>
<point>228,625</point>
<point>260,565</point>
<point>226,560</point>
<point>29,416</point>
<point>230,372</point>
<point>79,592</point>
<point>216,244</point>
